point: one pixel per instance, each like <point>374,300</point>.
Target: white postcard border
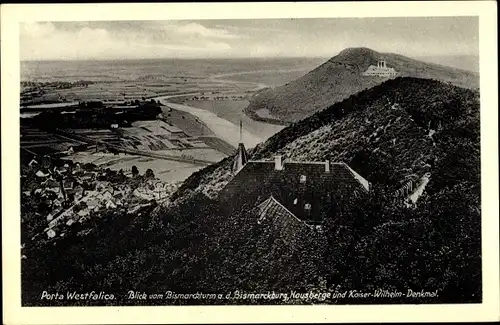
<point>11,15</point>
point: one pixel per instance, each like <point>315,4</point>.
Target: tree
<point>149,173</point>
<point>135,171</point>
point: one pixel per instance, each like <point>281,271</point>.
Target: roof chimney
<point>327,166</point>
<point>278,165</point>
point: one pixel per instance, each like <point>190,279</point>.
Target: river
<point>225,125</point>
<point>223,129</point>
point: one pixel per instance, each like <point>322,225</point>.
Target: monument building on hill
<point>380,70</point>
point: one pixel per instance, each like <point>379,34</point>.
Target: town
<point>58,194</point>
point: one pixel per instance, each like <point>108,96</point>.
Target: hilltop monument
<point>380,70</point>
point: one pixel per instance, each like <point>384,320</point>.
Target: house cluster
<point>155,189</point>
<point>104,196</point>
<point>77,195</point>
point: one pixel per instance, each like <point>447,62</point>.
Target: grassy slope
<point>439,242</point>
<point>340,77</point>
<point>380,143</point>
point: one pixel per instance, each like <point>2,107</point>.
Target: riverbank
<point>222,128</point>
<point>264,117</point>
<point>234,111</point>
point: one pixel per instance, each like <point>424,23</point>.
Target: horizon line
<point>234,58</point>
<point>182,58</point>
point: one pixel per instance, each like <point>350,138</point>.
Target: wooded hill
<point>340,77</point>
<point>402,127</point>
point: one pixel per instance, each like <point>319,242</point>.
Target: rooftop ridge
<point>358,177</point>
<point>261,161</point>
<point>264,202</point>
<point>288,162</point>
<point>297,162</point>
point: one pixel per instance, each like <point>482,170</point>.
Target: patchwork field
<point>211,96</point>
<point>271,78</point>
<point>121,90</point>
<point>39,142</point>
<point>167,171</point>
<point>161,138</point>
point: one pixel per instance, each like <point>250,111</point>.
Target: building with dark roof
<point>288,227</point>
<point>305,190</point>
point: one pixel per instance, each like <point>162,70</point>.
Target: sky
<point>247,38</point>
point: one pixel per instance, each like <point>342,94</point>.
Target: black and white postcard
<point>184,157</point>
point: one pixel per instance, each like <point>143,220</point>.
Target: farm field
<point>204,106</point>
<point>118,90</point>
<point>39,142</point>
<point>167,171</point>
<point>271,78</point>
<point>159,137</point>
<point>152,70</point>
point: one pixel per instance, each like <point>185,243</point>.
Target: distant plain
<point>221,87</point>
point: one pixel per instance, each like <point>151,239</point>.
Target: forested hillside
<point>403,127</point>
<point>341,77</point>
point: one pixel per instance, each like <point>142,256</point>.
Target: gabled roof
<point>271,208</point>
<point>110,204</point>
<point>359,178</point>
<point>308,200</point>
<point>272,212</point>
<point>41,174</point>
<point>88,175</point>
<point>107,193</point>
<point>52,183</point>
<point>53,189</point>
<point>83,212</point>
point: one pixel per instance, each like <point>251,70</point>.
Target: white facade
<point>51,233</point>
<point>380,70</point>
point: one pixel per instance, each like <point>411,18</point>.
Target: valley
<point>342,76</point>
<point>186,103</point>
<point>316,192</point>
